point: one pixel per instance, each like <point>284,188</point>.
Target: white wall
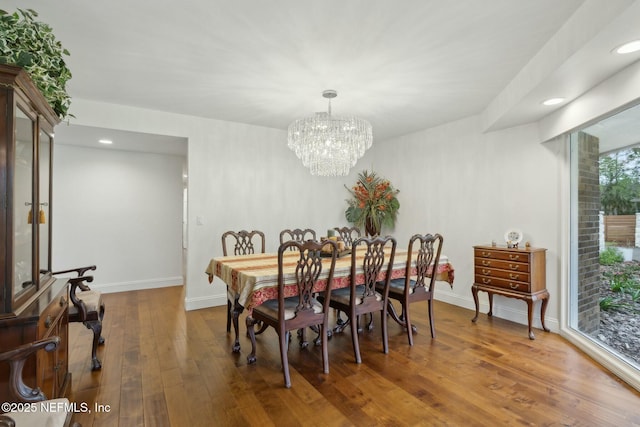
<point>240,176</point>
<point>120,210</point>
<point>471,187</point>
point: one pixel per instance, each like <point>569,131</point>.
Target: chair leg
<point>251,358</point>
<point>318,339</point>
<point>302,336</point>
<point>263,327</point>
<point>385,331</point>
<point>237,309</point>
<point>318,330</point>
<point>325,348</point>
<point>407,319</point>
<point>284,347</point>
<point>341,326</point>
<point>101,316</point>
<point>96,327</point>
<point>431,319</point>
<point>229,308</point>
<point>354,338</point>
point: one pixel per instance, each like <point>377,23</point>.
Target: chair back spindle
<point>348,234</point>
<point>427,256</point>
<point>297,235</point>
<point>244,242</point>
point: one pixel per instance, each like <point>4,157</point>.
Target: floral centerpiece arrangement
<point>373,203</point>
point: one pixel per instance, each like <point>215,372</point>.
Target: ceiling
<point>405,65</point>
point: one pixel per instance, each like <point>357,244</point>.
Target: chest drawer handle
<point>514,266</point>
<point>514,276</point>
<point>486,281</point>
<point>47,322</point>
<point>486,253</point>
<point>514,257</point>
<point>513,286</point>
<point>486,272</point>
<point>486,263</point>
<point>62,301</point>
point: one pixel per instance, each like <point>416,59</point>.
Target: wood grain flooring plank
<point>163,366</point>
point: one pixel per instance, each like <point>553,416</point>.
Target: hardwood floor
<point>162,366</point>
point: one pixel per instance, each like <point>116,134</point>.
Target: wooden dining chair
<point>303,310</point>
<point>87,307</point>
<point>426,250</point>
<point>297,235</point>
<point>358,299</point>
<point>348,234</point>
<point>243,243</point>
<point>239,243</point>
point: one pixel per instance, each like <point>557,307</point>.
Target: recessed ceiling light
<point>553,101</point>
<point>630,47</point>
<point>105,141</point>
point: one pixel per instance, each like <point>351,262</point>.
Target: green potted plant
<point>30,44</point>
<point>373,203</point>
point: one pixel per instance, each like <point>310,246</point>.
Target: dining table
<point>253,279</point>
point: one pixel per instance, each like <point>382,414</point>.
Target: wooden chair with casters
<point>239,243</point>
<point>297,235</point>
<point>41,412</point>
<point>87,308</point>
<point>285,314</point>
<point>356,300</point>
<point>348,234</point>
<point>419,287</point>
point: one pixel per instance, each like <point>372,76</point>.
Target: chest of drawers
<point>513,273</point>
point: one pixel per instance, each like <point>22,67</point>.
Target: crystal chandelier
<point>330,145</point>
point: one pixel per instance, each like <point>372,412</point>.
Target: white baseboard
<point>205,302</point>
<point>137,285</point>
<point>501,311</point>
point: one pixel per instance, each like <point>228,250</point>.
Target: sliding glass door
<point>603,310</point>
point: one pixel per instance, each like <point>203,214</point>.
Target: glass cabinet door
<point>44,219</point>
<point>23,210</point>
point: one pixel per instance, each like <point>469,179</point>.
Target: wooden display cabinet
<point>33,304</point>
<point>514,273</point>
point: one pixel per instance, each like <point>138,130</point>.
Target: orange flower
<point>373,197</point>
